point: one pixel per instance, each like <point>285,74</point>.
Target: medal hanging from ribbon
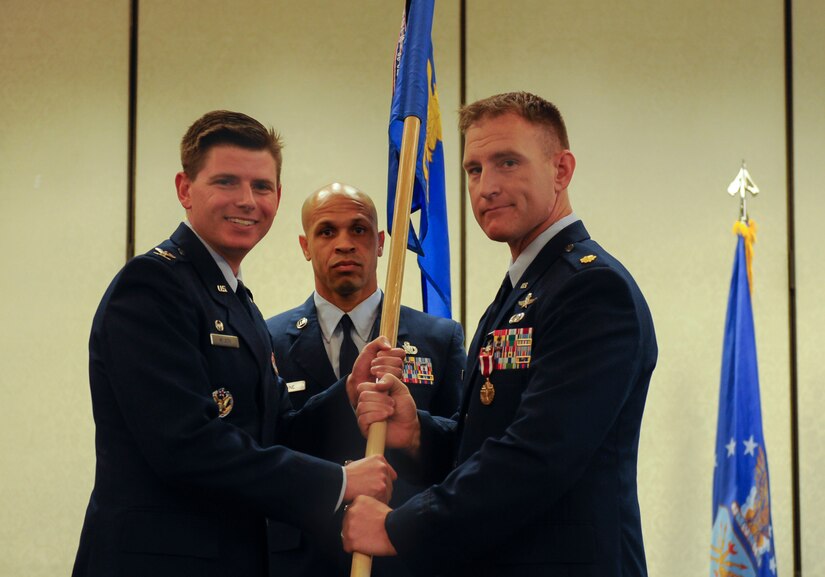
<point>486,363</point>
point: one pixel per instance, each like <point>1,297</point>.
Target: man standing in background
<point>315,344</point>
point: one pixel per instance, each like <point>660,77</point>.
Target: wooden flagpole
<point>377,436</point>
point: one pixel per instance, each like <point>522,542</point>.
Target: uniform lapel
<point>240,322</point>
<point>570,235</point>
<point>307,345</point>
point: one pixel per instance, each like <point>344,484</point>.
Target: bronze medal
<point>486,362</point>
<point>488,392</point>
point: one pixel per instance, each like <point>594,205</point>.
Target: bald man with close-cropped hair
<point>342,241</point>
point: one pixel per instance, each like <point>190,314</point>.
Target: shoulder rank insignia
<point>587,259</point>
<point>410,349</point>
<point>224,400</point>
<point>527,301</point>
<point>164,253</point>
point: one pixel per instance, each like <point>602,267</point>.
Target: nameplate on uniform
<point>229,341</point>
<point>295,386</point>
<point>417,370</point>
<point>512,348</point>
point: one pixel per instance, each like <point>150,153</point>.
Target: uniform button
<point>568,248</point>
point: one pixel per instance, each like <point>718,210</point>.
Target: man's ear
<point>381,243</point>
<point>302,240</point>
<point>277,198</point>
<point>182,184</point>
<point>564,173</point>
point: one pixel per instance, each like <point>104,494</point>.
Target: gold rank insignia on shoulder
<point>164,253</point>
<point>222,288</point>
<point>224,400</point>
<point>587,259</point>
<point>527,301</point>
<point>410,349</point>
<point>302,322</point>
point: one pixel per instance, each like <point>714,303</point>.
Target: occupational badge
<point>410,349</point>
<point>527,301</point>
<point>224,400</point>
<point>219,325</point>
<point>516,318</point>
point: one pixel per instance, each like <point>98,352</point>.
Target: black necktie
<point>245,296</point>
<point>348,352</point>
<point>503,292</point>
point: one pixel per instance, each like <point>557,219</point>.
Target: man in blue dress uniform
<point>191,418</point>
<point>537,473</point>
<point>342,241</point>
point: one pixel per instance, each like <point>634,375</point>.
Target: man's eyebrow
<point>498,155</point>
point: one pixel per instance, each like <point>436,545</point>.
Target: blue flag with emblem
<point>742,542</point>
<point>415,94</point>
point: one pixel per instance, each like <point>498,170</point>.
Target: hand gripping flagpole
<point>377,436</point>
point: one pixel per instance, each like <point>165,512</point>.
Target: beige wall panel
<point>320,73</point>
<point>663,101</point>
<point>809,86</point>
<point>63,102</point>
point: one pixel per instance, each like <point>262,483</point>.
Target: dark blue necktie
<point>503,292</point>
<point>245,296</point>
<point>348,352</point>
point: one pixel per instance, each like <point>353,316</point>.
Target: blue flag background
<point>415,94</point>
<point>742,543</point>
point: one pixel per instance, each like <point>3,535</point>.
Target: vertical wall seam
<point>132,129</point>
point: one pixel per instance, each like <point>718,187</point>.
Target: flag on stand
<point>415,94</point>
<point>742,543</point>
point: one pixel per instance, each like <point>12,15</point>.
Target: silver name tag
<point>229,341</point>
<point>295,386</point>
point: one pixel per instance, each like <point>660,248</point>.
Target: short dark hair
<point>532,108</point>
<point>226,127</point>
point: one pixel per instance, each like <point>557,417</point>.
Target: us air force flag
<point>742,543</point>
<point>415,94</point>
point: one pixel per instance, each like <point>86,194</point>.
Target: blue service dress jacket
<point>435,351</point>
<point>190,425</point>
<point>542,480</point>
